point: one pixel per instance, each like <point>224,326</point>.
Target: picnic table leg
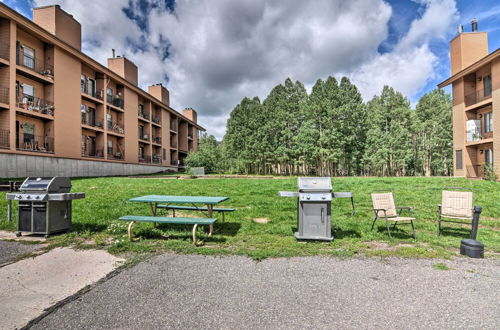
<point>130,230</point>
<point>353,210</point>
<point>9,210</point>
<point>154,210</point>
<point>210,213</point>
<point>194,233</point>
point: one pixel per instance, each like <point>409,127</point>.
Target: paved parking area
<point>10,251</point>
<point>188,291</point>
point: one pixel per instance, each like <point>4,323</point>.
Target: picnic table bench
<point>170,220</point>
<point>221,210</point>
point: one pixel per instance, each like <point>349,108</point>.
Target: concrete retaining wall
<point>19,166</point>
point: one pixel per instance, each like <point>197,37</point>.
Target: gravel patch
<point>190,291</point>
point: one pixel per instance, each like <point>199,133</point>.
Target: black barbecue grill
<point>45,205</point>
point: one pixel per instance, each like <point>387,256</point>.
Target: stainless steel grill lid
<point>314,184</point>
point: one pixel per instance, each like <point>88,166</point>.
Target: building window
<point>28,93</point>
<point>141,110</point>
<point>28,57</point>
<point>458,160</point>
<point>28,134</point>
<point>487,85</point>
<point>109,120</point>
<point>489,157</point>
<point>83,83</point>
<point>83,110</point>
<point>91,87</point>
<point>109,95</point>
<point>84,144</point>
<point>110,147</point>
<point>164,154</point>
<point>488,122</point>
<point>141,152</point>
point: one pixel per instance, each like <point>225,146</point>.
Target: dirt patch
<point>261,220</point>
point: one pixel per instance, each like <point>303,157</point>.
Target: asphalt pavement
<point>10,251</point>
<point>191,291</point>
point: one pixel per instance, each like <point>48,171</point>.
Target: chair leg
<point>388,229</point>
<point>413,230</point>
<point>223,218</point>
<point>373,224</point>
<point>439,226</point>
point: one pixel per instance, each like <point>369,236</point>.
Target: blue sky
<point>210,54</point>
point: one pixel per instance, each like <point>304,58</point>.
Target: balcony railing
<point>115,100</point>
<point>35,104</point>
<point>114,154</point>
<point>98,94</point>
<point>156,159</point>
<point>144,137</point>
<point>4,50</point>
<point>157,139</point>
<point>144,115</point>
<point>477,96</point>
<point>173,144</point>
<point>4,95</point>
<point>145,159</point>
<point>28,142</point>
<point>115,127</point>
<point>36,64</point>
<point>4,138</point>
<point>97,153</point>
<point>157,120</point>
<point>94,122</point>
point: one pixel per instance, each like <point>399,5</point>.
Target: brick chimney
<point>160,92</point>
<point>59,23</point>
<point>124,67</point>
<point>468,48</point>
<point>191,114</point>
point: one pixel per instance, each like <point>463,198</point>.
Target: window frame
<point>25,56</point>
<point>459,162</point>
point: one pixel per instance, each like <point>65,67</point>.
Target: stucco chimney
<point>191,114</point>
<point>160,92</point>
<point>467,48</point>
<point>124,67</point>
<point>60,23</point>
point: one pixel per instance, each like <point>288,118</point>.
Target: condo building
<point>475,81</point>
<point>63,113</point>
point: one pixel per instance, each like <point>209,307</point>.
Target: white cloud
<point>223,50</point>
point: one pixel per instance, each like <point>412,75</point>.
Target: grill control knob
<point>19,196</point>
<point>28,197</point>
<point>308,196</point>
<point>37,197</point>
<point>323,196</point>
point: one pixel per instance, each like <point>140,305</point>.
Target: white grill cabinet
<point>314,201</point>
<point>45,205</point>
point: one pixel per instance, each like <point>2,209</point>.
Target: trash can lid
<point>472,243</point>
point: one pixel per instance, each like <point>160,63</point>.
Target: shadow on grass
<point>456,232</point>
<point>92,227</point>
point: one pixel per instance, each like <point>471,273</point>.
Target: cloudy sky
<point>212,53</point>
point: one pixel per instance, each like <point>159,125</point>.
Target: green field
<point>95,219</point>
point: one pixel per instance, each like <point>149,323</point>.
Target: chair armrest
<point>405,207</point>
<point>378,210</point>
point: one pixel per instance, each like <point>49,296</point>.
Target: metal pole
<point>475,222</point>
<point>9,210</point>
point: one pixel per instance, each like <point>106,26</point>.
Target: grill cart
<point>314,201</point>
<point>44,205</point>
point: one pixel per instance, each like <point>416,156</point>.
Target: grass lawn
<point>95,219</point>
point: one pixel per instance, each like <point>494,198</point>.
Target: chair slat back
<point>384,201</point>
<point>456,203</point>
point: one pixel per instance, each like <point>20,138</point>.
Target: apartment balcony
<point>114,154</point>
<point>477,97</point>
<point>4,50</point>
<point>35,143</point>
<point>36,105</point>
<point>190,136</point>
<point>157,139</point>
<point>156,159</point>
<point>173,144</point>
<point>475,133</point>
<point>173,126</point>
<point>4,95</point>
<point>4,139</point>
<point>145,159</point>
<point>92,122</point>
<point>115,100</point>
<point>475,171</point>
<point>143,115</point>
<point>37,65</point>
<point>174,162</point>
<point>156,120</point>
<point>115,127</point>
<point>144,137</point>
<point>93,153</point>
<point>93,95</point>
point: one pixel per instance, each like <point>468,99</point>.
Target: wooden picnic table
<point>154,200</point>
